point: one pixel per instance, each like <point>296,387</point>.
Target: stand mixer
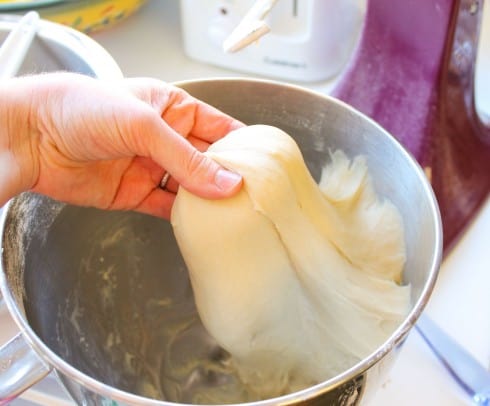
<point>413,73</point>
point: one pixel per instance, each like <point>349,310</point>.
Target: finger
<point>137,176</point>
<point>191,117</point>
<point>172,185</point>
<point>205,177</point>
<point>158,203</point>
<point>211,124</point>
<point>149,135</point>
<point>183,112</point>
<point>198,143</point>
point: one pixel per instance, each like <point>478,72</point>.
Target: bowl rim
<point>101,62</point>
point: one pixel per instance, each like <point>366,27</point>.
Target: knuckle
<point>137,129</point>
<point>197,164</point>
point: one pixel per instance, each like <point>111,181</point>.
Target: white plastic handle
<point>16,45</point>
<point>251,28</point>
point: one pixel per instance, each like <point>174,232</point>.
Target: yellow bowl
<point>84,15</point>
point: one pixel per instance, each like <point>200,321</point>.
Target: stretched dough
<point>297,281</point>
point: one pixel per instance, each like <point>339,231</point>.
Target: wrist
<point>18,159</point>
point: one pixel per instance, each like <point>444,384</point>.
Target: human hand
<point>107,145</point>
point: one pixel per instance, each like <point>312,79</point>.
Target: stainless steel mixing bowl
<point>104,297</point>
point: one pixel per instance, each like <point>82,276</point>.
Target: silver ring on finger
<point>164,181</point>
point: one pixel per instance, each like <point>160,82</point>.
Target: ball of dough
<point>297,281</point>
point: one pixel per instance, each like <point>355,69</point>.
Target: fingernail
<point>226,180</point>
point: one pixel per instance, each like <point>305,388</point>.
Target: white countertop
<point>149,44</point>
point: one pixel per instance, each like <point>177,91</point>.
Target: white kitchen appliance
<point>309,40</point>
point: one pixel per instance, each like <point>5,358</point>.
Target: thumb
<point>204,177</point>
<point>192,169</point>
